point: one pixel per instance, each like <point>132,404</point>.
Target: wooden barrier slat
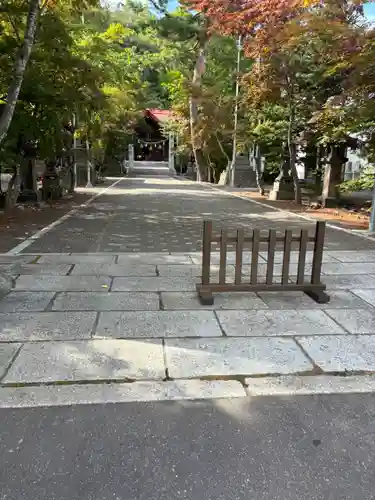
<point>286,257</point>
<point>302,256</point>
<point>206,251</point>
<point>239,256</point>
<point>271,255</point>
<point>255,257</point>
<point>223,256</point>
<point>318,252</point>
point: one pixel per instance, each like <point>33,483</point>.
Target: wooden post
<point>304,238</point>
<point>286,258</point>
<point>320,296</point>
<point>223,256</point>
<point>239,256</point>
<point>318,252</point>
<point>205,295</point>
<point>255,257</point>
<point>271,255</point>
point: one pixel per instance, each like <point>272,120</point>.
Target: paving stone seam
<point>49,306</point>
<point>109,289</point>
<point>224,333</point>
<point>367,302</point>
<point>242,337</point>
<point>95,325</point>
<point>316,370</point>
<point>339,324</point>
<point>161,303</point>
<point>167,377</point>
<point>11,362</point>
<point>69,273</point>
<point>243,379</point>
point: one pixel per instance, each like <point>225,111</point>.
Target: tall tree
<point>21,61</point>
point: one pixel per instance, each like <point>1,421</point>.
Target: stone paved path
<point>148,214</point>
<point>105,308</point>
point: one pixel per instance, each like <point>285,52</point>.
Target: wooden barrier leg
<point>205,295</point>
<point>319,296</point>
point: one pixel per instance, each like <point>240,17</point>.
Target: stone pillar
<point>130,158</point>
<point>171,158</point>
<point>88,166</point>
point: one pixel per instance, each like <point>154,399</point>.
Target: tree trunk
<point>333,174</point>
<point>200,161</point>
<point>13,189</point>
<point>258,169</point>
<point>292,159</point>
<point>19,69</point>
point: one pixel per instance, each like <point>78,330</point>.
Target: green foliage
<point>103,66</point>
<point>365,181</point>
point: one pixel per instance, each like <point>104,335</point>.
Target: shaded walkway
<point>165,215</point>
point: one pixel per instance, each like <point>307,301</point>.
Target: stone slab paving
<point>113,270</point>
<point>354,321</point>
<point>111,301</point>
<point>87,360</point>
<point>6,283</point>
<point>76,259</point>
<point>348,268</point>
<point>16,302</point>
<point>7,354</point>
<point>328,257</point>
<point>154,259</point>
<point>159,284</point>
<point>46,326</point>
<point>190,301</point>
<point>119,303</point>
<point>367,295</point>
<point>287,385</point>
<point>17,259</point>
<point>166,215</point>
<point>349,281</point>
<point>108,320</point>
<point>63,283</point>
<point>355,256</point>
<point>341,354</point>
<point>188,358</point>
<point>155,324</point>
<point>339,299</point>
<point>46,269</point>
<point>277,323</point>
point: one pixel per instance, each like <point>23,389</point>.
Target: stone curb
<point>64,395</point>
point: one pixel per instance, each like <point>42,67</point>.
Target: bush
<point>363,183</point>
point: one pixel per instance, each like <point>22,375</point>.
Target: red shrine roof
<point>159,115</point>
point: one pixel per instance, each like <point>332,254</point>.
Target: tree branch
<point>221,147</point>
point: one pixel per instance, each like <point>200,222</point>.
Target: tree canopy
<point>306,77</point>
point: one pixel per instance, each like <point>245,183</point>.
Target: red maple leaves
<point>258,20</point>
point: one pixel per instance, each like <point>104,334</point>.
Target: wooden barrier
<point>312,286</point>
